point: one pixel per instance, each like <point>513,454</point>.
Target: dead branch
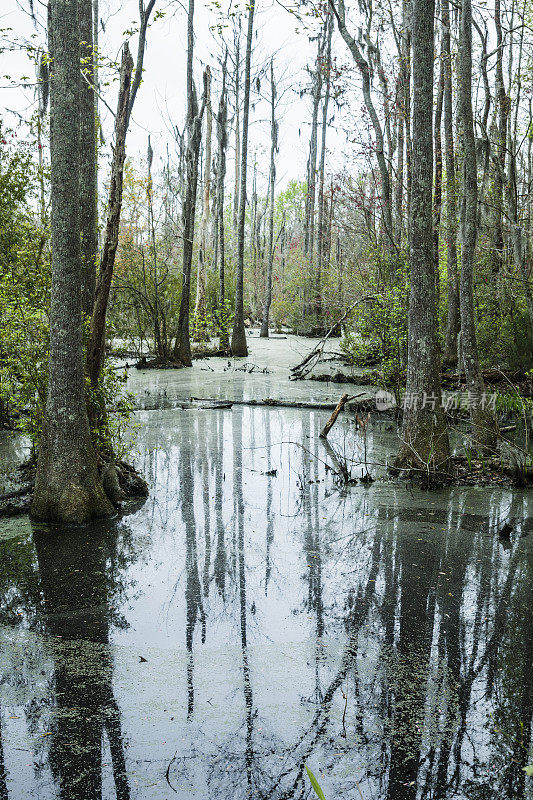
<point>311,360</point>
<point>332,420</point>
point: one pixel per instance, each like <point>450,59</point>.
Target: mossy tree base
<point>424,447</point>
<point>77,498</point>
<point>239,346</point>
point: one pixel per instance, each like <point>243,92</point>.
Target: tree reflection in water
<point>382,635</point>
<point>69,584</point>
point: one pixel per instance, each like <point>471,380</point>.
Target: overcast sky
<point>160,103</point>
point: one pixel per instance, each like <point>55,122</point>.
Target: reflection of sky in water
<point>383,635</point>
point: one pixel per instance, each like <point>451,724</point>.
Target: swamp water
<point>252,617</point>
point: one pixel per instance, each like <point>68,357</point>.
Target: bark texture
<point>364,68</point>
<point>67,486</point>
<point>453,321</point>
<point>424,436</point>
<point>95,346</point>
<point>484,429</point>
<point>199,303</point>
<point>238,339</point>
<point>222,141</point>
<point>182,347</point>
<point>87,140</point>
<point>322,201</point>
<point>273,151</point>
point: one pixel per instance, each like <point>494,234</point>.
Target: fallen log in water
<point>491,376</point>
<point>354,403</point>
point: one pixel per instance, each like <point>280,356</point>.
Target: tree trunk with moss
<point>484,428</point>
<point>182,347</point>
<point>238,339</point>
<point>96,343</point>
<point>201,332</point>
<point>424,438</point>
<point>67,486</point>
<point>453,324</point>
<point>88,177</point>
<point>222,139</point>
<point>273,151</point>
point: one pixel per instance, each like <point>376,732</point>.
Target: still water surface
<point>253,617</point>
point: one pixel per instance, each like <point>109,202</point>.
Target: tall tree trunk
<point>199,305</point>
<point>309,224</point>
<point>484,424</point>
<point>273,151</point>
<point>156,307</point>
<point>437,193</point>
<point>144,18</point>
<point>502,109</point>
<point>67,484</point>
<point>237,173</point>
<point>514,195</point>
<point>424,444</point>
<point>453,319</point>
<point>88,178</point>
<point>222,138</point>
<point>96,343</point>
<point>182,348</point>
<point>238,339</point>
<point>406,96</point>
<point>364,68</point>
<point>398,197</point>
<point>322,203</point>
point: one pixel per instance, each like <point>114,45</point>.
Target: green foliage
<point>505,337</point>
<point>112,406</point>
<point>224,317</point>
<point>25,273</point>
<point>378,331</point>
<point>24,291</point>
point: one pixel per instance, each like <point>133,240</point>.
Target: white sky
<point>160,102</point>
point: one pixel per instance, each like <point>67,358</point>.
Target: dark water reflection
<point>242,624</point>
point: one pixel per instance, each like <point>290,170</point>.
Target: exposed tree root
<point>121,482</point>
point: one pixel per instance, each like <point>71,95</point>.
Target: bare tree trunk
<point>237,126</point>
<point>399,181</point>
<point>453,319</point>
<point>157,317</point>
<point>238,339</point>
<point>502,107</point>
<point>364,69</point>
<point>88,179</point>
<point>182,348</point>
<point>273,151</point>
<point>96,343</point>
<point>222,137</point>
<point>309,224</point>
<point>322,203</point>
<point>406,95</point>
<point>513,194</point>
<point>424,444</point>
<point>437,192</point>
<point>200,275</point>
<point>144,18</point>
<point>67,485</point>
<point>484,424</point>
